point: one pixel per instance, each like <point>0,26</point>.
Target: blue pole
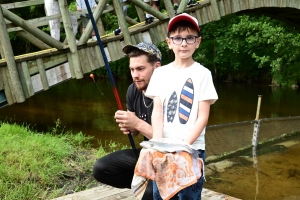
<point>111,78</point>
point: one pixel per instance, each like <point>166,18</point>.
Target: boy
<point>182,92</point>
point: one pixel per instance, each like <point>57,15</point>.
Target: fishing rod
<point>111,78</point>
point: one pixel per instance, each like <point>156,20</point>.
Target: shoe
<point>175,9</point>
<point>94,38</point>
<point>192,3</point>
<point>149,20</point>
<point>117,31</point>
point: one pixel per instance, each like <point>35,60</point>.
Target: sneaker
<point>117,31</point>
<point>175,9</point>
<point>94,38</point>
<point>149,20</point>
<point>192,3</point>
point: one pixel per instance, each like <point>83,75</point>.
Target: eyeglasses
<point>189,39</point>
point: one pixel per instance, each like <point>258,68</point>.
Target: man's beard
<point>141,88</point>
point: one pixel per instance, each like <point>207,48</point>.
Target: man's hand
<point>127,121</point>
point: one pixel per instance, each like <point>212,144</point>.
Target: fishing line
<point>108,70</point>
<point>92,77</point>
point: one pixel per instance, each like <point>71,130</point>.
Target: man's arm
<point>130,123</point>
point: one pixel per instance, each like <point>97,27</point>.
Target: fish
<point>169,145</point>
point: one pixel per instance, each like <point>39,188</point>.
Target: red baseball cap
<point>183,17</point>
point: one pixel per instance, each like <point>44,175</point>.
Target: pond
<point>276,175</point>
<point>82,105</point>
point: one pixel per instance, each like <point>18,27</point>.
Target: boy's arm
<point>157,118</point>
<point>203,114</point>
<point>129,122</point>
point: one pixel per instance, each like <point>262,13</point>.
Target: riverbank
<point>35,165</point>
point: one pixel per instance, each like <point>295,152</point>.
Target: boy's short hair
<point>143,48</point>
<point>183,22</point>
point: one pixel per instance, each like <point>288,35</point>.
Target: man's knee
<point>98,170</point>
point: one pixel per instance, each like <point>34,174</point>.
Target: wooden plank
<point>23,80</point>
<point>42,73</point>
<point>10,97</point>
<point>70,61</point>
<point>252,4</point>
<point>119,47</point>
<point>204,15</point>
<point>210,13</point>
<point>215,10</point>
<point>32,29</point>
<point>296,4</point>
<point>243,4</point>
<point>153,35</point>
<point>198,16</point>
<point>83,61</point>
<point>113,52</point>
<point>49,62</point>
<point>58,74</point>
<point>146,37</point>
<point>9,56</point>
<point>161,33</point>
<point>27,78</point>
<point>236,6</point>
<point>228,7</point>
<point>108,57</point>
<point>122,46</point>
<point>133,40</point>
<point>282,3</point>
<point>90,58</point>
<point>22,4</point>
<point>99,56</point>
<point>221,8</point>
<point>94,57</point>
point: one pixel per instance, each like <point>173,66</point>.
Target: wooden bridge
<point>23,76</point>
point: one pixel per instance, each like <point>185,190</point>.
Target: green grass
<point>37,165</point>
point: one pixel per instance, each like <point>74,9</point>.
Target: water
<point>277,176</point>
<point>81,106</point>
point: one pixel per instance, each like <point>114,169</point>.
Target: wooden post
<point>42,72</point>
<point>70,37</point>
<point>182,6</point>
<point>38,43</point>
<point>140,13</point>
<point>89,28</point>
<point>131,21</point>
<point>122,21</point>
<point>31,29</point>
<point>10,60</point>
<point>215,9</point>
<point>169,7</point>
<point>149,9</point>
<point>100,27</point>
<point>1,51</point>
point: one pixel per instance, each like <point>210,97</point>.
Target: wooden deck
<point>109,193</point>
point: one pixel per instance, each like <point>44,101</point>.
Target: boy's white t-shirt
<point>180,90</point>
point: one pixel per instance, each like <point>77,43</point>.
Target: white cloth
<point>172,85</point>
<point>52,8</point>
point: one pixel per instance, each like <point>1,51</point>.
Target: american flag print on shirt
<point>186,101</point>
